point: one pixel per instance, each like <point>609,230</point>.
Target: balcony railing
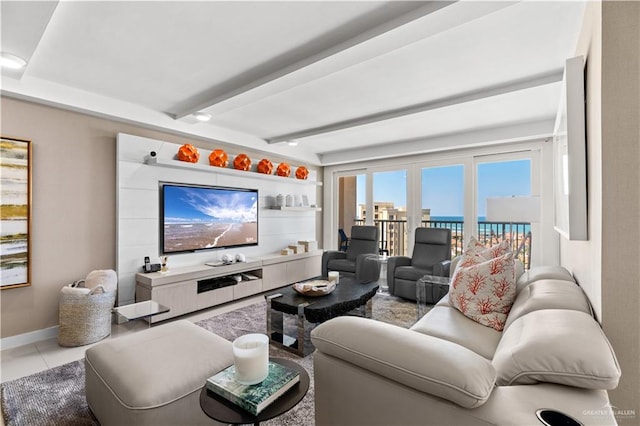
<point>393,236</point>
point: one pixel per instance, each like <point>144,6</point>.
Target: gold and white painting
<point>15,212</point>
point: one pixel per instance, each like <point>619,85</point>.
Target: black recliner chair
<point>360,260</point>
<point>431,256</point>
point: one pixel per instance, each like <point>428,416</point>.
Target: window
<point>504,179</point>
<point>390,203</point>
<point>442,201</point>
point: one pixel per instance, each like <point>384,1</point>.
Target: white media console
<point>192,288</point>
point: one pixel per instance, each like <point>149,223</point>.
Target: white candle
<point>251,357</point>
<point>334,276</point>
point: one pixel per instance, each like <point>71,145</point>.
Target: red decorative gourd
<point>283,170</point>
<point>302,173</point>
<point>242,162</point>
<point>189,153</point>
<point>265,166</point>
<point>218,158</point>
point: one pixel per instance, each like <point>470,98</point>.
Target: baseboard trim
<point>28,338</point>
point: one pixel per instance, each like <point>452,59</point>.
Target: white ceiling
<point>348,80</point>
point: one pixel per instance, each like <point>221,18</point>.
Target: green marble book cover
<point>254,398</point>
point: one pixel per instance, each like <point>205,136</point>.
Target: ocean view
<point>484,228</point>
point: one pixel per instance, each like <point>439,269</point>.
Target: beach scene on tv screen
<point>198,218</point>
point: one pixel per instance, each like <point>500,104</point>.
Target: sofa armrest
<point>392,263</point>
<point>395,261</point>
<point>367,267</point>
<point>441,269</point>
<point>330,255</point>
<point>419,361</point>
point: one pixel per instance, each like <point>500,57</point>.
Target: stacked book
<point>254,398</point>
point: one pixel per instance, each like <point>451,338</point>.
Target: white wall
<point>138,208</point>
<point>607,266</point>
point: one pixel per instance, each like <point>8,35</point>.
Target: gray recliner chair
<point>431,256</point>
<point>360,260</point>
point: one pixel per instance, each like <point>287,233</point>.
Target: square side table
<point>140,310</point>
<point>429,290</point>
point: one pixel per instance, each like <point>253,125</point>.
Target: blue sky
<point>442,187</point>
<point>198,204</point>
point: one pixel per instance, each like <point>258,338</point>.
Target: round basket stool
<point>85,318</point>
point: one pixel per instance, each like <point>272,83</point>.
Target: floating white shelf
<point>175,164</point>
<point>299,209</point>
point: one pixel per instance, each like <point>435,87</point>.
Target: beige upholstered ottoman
<point>154,377</point>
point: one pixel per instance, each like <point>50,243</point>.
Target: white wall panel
<point>134,148</point>
<point>138,203</point>
<point>139,209</point>
<point>136,176</point>
<point>132,257</point>
<point>126,288</point>
<point>134,231</point>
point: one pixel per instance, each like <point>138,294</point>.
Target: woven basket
<point>85,319</point>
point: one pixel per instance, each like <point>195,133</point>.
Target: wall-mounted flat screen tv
<point>197,217</point>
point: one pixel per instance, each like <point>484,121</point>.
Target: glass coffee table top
<point>139,310</point>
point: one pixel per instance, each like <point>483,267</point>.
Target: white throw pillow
<point>484,290</point>
<point>104,277</point>
<point>75,290</point>
<point>476,247</point>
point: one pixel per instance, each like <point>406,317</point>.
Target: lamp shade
<point>513,209</point>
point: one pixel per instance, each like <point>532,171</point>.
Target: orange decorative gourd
<point>242,162</point>
<point>189,153</point>
<point>265,166</point>
<point>218,158</point>
<point>283,170</point>
<point>302,172</point>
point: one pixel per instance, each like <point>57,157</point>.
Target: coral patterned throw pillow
<point>484,289</point>
<point>476,247</point>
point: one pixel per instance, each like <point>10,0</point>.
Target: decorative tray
<point>315,287</point>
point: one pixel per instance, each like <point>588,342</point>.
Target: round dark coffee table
<point>218,408</point>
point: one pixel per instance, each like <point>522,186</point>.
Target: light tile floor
<point>32,358</point>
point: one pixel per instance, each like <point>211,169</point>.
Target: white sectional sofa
<point>449,370</point>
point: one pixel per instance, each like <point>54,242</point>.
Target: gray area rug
<point>56,397</point>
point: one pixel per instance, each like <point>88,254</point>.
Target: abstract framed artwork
<point>15,212</point>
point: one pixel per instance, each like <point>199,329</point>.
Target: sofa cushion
<point>548,294</point>
<point>542,273</point>
<point>449,324</point>
<point>411,273</point>
<point>484,291</point>
<point>418,361</point>
<point>444,301</point>
<point>557,346</point>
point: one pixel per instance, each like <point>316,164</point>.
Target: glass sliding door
<point>442,201</point>
<point>389,210</point>
<point>510,178</point>
<point>351,192</point>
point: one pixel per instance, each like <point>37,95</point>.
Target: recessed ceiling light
<point>202,116</point>
<point>7,60</point>
<point>292,143</point>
